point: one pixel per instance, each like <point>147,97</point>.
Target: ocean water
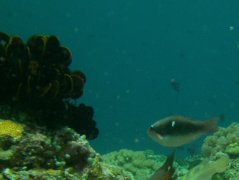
<point>131,49</point>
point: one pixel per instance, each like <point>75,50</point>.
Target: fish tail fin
<point>211,125</point>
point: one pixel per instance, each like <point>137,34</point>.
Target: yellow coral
<point>10,128</point>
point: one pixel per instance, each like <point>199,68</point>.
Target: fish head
<point>165,140</point>
<point>152,132</point>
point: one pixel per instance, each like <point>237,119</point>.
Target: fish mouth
<point>154,134</point>
<point>152,129</point>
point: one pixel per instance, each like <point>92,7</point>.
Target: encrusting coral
<point>42,84</point>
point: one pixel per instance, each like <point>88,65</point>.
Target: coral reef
<point>64,154</point>
<point>217,167</point>
<point>143,164</point>
<point>140,163</point>
<point>224,140</point>
<point>206,169</point>
<point>232,172</point>
<point>61,154</point>
<point>42,85</point>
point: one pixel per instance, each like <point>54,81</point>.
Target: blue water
<point>129,51</point>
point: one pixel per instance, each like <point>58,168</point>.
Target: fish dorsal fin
<point>166,171</point>
<point>169,161</point>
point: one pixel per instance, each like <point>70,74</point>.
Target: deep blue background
<point>130,49</point>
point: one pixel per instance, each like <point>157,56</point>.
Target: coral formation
<point>10,128</point>
<point>233,149</point>
<point>38,68</point>
<point>224,140</point>
<point>207,169</point>
<point>103,171</point>
<point>42,85</point>
<point>232,172</point>
<point>62,154</point>
<point>141,164</point>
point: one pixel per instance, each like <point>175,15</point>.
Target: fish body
<point>175,131</point>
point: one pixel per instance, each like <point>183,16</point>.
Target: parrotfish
<point>166,171</point>
<point>175,131</point>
